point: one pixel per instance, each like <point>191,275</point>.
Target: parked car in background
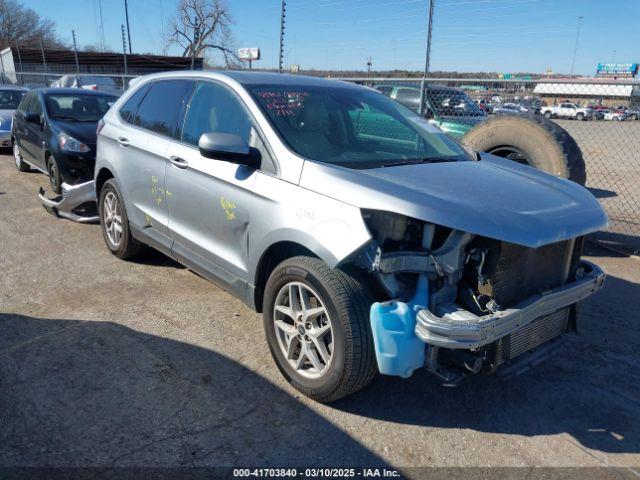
<point>366,249</point>
<point>615,115</point>
<point>598,114</point>
<point>485,105</point>
<point>10,97</point>
<point>449,108</point>
<point>510,108</point>
<point>54,131</point>
<point>567,110</point>
<point>88,82</point>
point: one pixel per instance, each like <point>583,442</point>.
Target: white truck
<point>567,110</point>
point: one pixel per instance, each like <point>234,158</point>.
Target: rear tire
<point>547,114</point>
<point>542,144</point>
<point>346,300</point>
<point>114,223</point>
<point>21,165</point>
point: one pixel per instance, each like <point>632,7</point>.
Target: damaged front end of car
<point>462,304</point>
<point>76,202</point>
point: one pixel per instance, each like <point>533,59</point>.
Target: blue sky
<point>468,35</point>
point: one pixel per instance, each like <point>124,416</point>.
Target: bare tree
<point>200,25</point>
<point>23,26</point>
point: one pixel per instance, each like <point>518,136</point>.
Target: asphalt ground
<point>106,363</point>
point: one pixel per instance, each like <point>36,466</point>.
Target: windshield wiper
<point>57,117</point>
<point>413,161</point>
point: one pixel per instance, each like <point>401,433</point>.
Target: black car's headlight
<point>70,144</point>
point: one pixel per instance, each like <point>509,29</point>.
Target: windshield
<point>354,128</point>
<point>10,99</point>
<point>78,107</point>
<point>453,103</point>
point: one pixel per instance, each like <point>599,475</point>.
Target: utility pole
<point>126,16</point>
<point>75,54</point>
<point>124,57</point>
<point>427,60</point>
<point>369,65</point>
<point>283,12</point>
<point>101,27</point>
<point>44,63</point>
<point>575,48</point>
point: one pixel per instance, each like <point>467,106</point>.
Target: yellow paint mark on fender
<point>228,206</point>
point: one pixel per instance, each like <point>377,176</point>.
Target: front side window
<point>162,106</point>
<point>78,107</point>
<point>214,109</point>
<point>351,127</point>
<point>10,99</point>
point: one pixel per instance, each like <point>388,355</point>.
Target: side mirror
<point>230,148</point>
<point>33,118</point>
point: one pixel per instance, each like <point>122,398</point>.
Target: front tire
<point>55,179</point>
<point>316,322</point>
<point>114,223</point>
<point>21,165</point>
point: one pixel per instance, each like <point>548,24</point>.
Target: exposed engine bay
<point>486,302</point>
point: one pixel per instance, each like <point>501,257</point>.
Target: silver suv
<point>370,240</point>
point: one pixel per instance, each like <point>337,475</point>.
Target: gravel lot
<point>111,363</point>
<point>612,155</point>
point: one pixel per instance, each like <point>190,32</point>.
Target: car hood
<point>494,197</point>
<point>83,131</point>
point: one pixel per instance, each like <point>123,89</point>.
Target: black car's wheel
<point>316,322</point>
<point>114,223</point>
<point>21,165</point>
<point>55,178</point>
<point>531,140</point>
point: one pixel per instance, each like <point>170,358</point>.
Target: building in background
<point>13,61</point>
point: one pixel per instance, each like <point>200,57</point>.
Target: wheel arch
<point>274,255</point>
<point>103,175</point>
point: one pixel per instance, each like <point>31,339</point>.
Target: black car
<point>54,131</point>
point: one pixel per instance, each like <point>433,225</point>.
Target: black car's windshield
<point>355,128</point>
<point>453,103</point>
<point>10,99</point>
<point>78,107</point>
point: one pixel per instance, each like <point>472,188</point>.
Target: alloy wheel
<point>112,219</point>
<point>303,330</point>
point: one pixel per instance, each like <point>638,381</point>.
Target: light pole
<point>575,48</point>
<point>427,60</point>
<point>283,13</point>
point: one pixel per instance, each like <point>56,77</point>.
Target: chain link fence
<point>603,117</point>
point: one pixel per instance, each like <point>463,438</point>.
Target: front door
<point>210,200</point>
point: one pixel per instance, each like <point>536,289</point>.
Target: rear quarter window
<point>131,105</point>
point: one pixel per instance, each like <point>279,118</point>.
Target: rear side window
<point>131,105</point>
<point>162,106</point>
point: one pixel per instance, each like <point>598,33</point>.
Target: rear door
<point>34,132</point>
<point>144,142</point>
<point>19,125</point>
<point>210,200</point>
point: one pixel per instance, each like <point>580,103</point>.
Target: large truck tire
<point>532,140</point>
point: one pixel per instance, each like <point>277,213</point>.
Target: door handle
<point>179,162</point>
<point>123,141</point>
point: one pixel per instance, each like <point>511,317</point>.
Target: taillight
<point>100,126</point>
<point>94,87</point>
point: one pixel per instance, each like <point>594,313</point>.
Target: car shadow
<point>92,393</point>
<point>590,390</point>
